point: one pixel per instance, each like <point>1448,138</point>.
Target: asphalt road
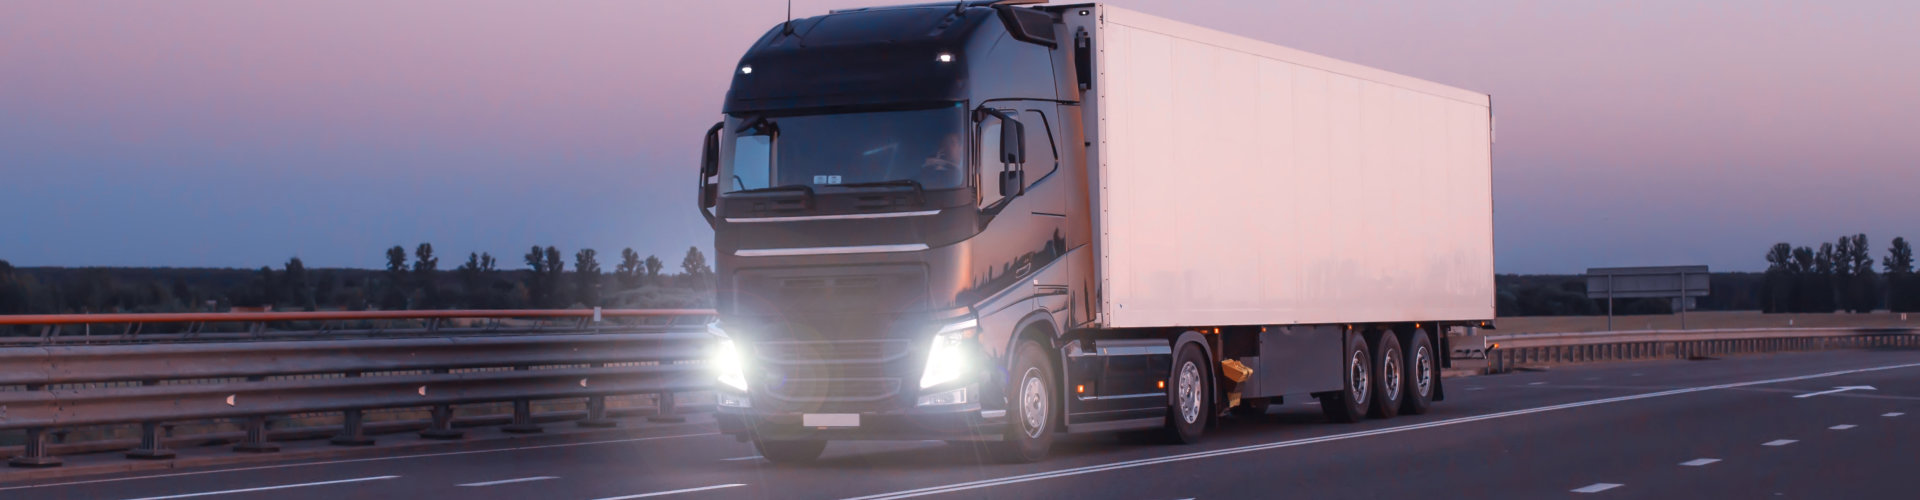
<point>1728,428</point>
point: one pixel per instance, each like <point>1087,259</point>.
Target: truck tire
<point>1191,396</point>
<point>1389,375</point>
<point>1350,403</point>
<point>790,452</point>
<point>1423,373</point>
<point>1031,406</point>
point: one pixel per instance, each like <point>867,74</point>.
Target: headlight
<point>949,359</point>
<point>725,360</point>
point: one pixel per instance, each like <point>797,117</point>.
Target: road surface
<point>1726,428</point>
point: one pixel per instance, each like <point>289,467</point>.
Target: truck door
<point>1041,204</point>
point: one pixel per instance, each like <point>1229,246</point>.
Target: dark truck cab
<point>881,176</point>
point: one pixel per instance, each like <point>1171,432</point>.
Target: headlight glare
<point>949,359</point>
<point>728,367</point>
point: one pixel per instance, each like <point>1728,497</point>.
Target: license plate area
<point>830,419</point>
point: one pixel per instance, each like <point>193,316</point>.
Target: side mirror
<point>1013,142</point>
<point>710,167</point>
<point>1013,182</point>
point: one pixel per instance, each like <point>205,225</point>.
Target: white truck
<point>1000,221</point>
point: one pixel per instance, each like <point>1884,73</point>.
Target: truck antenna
<point>788,28</point>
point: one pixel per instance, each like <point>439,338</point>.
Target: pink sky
<point>230,133</point>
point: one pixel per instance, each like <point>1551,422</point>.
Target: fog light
<point>953,397</point>
<point>734,400</point>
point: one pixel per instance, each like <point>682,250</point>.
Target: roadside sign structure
<point>1678,282</point>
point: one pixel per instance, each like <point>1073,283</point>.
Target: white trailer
<point>1239,182</point>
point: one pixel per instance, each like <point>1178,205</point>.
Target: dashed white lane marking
<point>1129,464</point>
<point>1892,414</point>
<point>508,481</point>
<point>1590,379</point>
<point>736,459</point>
<point>268,488</point>
<point>1536,383</point>
<point>1699,462</point>
<point>1843,427</point>
<point>1780,442</point>
<point>1596,488</point>
<point>674,492</point>
<point>369,459</point>
<point>1476,388</point>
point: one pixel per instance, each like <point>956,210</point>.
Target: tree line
<point>411,280</point>
<point>1839,276</point>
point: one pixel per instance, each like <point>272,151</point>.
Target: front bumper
<point>957,423</point>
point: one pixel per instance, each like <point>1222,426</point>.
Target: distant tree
<point>1862,286</point>
<point>1903,287</point>
<point>1842,276</point>
<point>653,269</point>
<point>426,268</point>
<point>394,295</point>
<point>298,290</point>
<point>1777,287</point>
<point>628,271</point>
<point>556,274</point>
<point>471,280</point>
<point>695,263</point>
<point>537,279</point>
<point>586,275</point>
<point>486,262</point>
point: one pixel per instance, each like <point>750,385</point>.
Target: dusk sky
<point>239,133</point>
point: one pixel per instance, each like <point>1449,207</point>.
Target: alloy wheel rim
<point>1033,403</point>
<point>1190,392</point>
<point>1358,378</point>
<point>1390,368</point>
<point>1423,380</point>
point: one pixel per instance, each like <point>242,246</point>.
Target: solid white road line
<point>356,460</point>
<point>736,459</point>
<point>1699,462</point>
<point>1843,427</point>
<point>1596,488</point>
<point>268,488</point>
<point>1780,442</point>
<point>509,481</point>
<point>986,483</point>
<point>1892,414</point>
<point>674,492</point>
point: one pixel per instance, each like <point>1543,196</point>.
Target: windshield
<point>924,146</point>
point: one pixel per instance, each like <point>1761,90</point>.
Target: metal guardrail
<point>204,327</point>
<point>77,386</point>
<point>1507,352</point>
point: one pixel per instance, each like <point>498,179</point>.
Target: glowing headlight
<point>949,360</point>
<point>726,362</point>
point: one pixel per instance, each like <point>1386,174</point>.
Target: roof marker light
<point>945,57</point>
<point>746,70</point>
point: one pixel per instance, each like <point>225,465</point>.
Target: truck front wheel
<point>1030,407</point>
<point>1192,391</point>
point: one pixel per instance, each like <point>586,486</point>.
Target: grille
<point>805,374</point>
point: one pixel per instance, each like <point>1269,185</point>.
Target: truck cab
<point>891,212</point>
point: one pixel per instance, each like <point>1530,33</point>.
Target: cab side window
<point>1042,159</point>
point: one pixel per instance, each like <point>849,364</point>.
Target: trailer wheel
<point>1191,397</point>
<point>790,452</point>
<point>1030,407</point>
<point>1423,371</point>
<point>1389,376</point>
<point>1356,366</point>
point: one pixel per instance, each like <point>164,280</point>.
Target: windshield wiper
<point>802,188</point>
<point>919,191</point>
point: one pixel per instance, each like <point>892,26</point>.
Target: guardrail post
<point>597,414</point>
<point>256,441</point>
<point>522,419</point>
<point>150,445</point>
<point>442,427</point>
<point>665,412</point>
<point>35,452</point>
<point>352,432</point>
